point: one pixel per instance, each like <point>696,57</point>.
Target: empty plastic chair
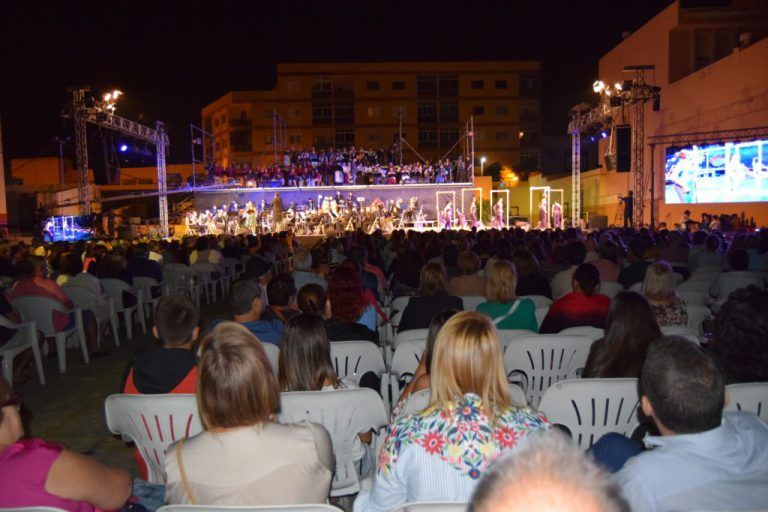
<point>115,289</point>
<point>103,308</point>
<point>25,338</point>
<point>147,286</point>
<point>590,408</point>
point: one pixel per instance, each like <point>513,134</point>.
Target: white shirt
<point>562,283</point>
<point>725,468</point>
<point>727,282</point>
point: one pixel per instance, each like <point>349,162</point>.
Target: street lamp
<point>482,164</point>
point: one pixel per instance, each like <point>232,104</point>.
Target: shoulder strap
<point>509,313</point>
<point>183,473</point>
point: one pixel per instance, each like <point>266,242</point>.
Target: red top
<point>188,384</point>
<point>576,309</point>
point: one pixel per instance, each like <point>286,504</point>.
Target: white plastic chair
<point>750,396</point>
<point>541,314</point>
<point>396,308</point>
<point>419,400</point>
<point>25,338</point>
<point>145,285</point>
<point>353,359</point>
<point>404,362</point>
<point>693,298</point>
<point>410,335</point>
<point>590,332</point>
<point>115,289</point>
<point>344,413</point>
<point>472,301</point>
<point>273,354</point>
<point>432,506</point>
<point>610,288</point>
<point>103,308</point>
<point>696,316</point>
<point>507,335</point>
<point>264,508</point>
<point>686,332</point>
<point>694,285</point>
<point>637,287</point>
<point>178,278</point>
<point>207,271</point>
<point>539,301</point>
<point>40,310</point>
<point>153,423</point>
<point>590,408</point>
<point>542,360</point>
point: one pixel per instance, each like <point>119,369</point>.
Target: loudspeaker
<point>598,221</point>
<point>623,148</point>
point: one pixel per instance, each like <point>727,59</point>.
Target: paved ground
<point>70,408</point>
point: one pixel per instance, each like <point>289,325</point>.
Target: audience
<point>433,298</point>
<point>549,475</point>
<point>142,266</point>
<point>38,473</point>
<point>659,291</point>
<point>608,262</point>
<point>302,270</point>
<point>583,306</point>
<point>630,328</point>
<point>247,307</point>
<point>704,459</point>
<point>281,297</point>
<point>709,257</point>
<point>469,395</point>
<point>529,278</point>
<point>244,456</point>
<point>469,283</point>
<point>736,278</point>
<point>635,271</point>
<point>504,307</point>
<point>575,253</point>
<point>348,307</point>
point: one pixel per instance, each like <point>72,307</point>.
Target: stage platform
<point>427,193</point>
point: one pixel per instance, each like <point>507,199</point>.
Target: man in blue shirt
<point>247,305</point>
<point>704,459</point>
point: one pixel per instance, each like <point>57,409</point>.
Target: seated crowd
<point>472,443</point>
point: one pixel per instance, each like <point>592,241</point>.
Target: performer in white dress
<point>498,220</point>
<point>543,213</point>
<point>557,215</point>
<point>447,220</point>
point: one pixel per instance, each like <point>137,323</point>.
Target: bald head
<point>550,475</point>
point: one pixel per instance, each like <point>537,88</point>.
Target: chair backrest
<point>419,400</point>
<point>82,297</point>
<point>610,288</point>
<point>153,423</point>
<point>637,287</point>
<point>263,508</point>
<point>750,396</point>
<point>432,506</point>
<point>407,357</point>
<point>686,332</point>
<point>396,308</point>
<point>273,354</point>
<point>541,313</point>
<point>410,335</point>
<point>691,285</point>
<point>542,360</point>
<point>38,309</point>
<point>115,289</point>
<point>590,332</point>
<point>204,267</point>
<point>145,284</point>
<point>177,280</point>
<point>693,298</point>
<point>539,301</point>
<point>344,413</point>
<point>507,335</point>
<point>472,301</point>
<point>696,316</point>
<point>590,408</point>
<point>352,359</point>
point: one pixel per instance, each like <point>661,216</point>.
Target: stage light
<point>107,96</point>
<point>603,134</point>
<point>483,159</point>
<point>617,86</point>
<point>124,148</point>
<point>592,138</point>
<point>521,135</point>
<point>598,86</point>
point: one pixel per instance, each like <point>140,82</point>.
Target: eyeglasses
<point>13,400</point>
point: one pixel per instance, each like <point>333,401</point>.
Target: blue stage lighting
<point>603,134</point>
<point>123,148</point>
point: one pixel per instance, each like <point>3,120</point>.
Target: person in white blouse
<point>440,453</point>
<point>244,457</point>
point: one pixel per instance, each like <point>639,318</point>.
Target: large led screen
<point>717,173</point>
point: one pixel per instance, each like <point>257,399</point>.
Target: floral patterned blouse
<point>440,453</point>
<point>672,313</point>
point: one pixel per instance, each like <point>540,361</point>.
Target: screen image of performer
<point>629,203</point>
<point>735,173</point>
<point>543,213</point>
<point>557,215</point>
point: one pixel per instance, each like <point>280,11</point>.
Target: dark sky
<point>172,58</point>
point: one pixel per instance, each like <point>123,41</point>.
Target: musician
<point>277,212</point>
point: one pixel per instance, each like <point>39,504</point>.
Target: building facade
<point>364,105</point>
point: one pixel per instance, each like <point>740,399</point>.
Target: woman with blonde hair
<point>244,456</point>
<point>659,291</point>
<point>503,307</point>
<point>440,453</point>
<point>433,298</point>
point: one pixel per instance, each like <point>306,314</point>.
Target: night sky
<point>172,58</point>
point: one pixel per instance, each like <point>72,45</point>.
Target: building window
<point>448,137</point>
<point>502,136</point>
<point>477,84</point>
<point>398,85</point>
<point>322,141</point>
<point>345,138</point>
<point>322,113</point>
<point>529,83</point>
<point>502,110</point>
<point>427,139</point>
<point>449,85</point>
<point>501,84</point>
<point>529,113</point>
<point>296,138</point>
<point>426,85</point>
<point>293,86</point>
<point>374,137</point>
<point>711,45</point>
<point>427,112</point>
<point>344,112</point>
<point>208,124</point>
<point>449,112</point>
<point>240,140</point>
<point>478,110</point>
<point>373,111</point>
<point>529,139</point>
<point>372,85</point>
<point>321,84</point>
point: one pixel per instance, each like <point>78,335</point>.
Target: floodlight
<point>107,96</point>
<point>483,159</point>
<point>124,148</point>
<point>598,86</point>
<point>617,86</point>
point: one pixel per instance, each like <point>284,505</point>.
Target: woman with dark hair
<point>433,298</point>
<point>529,278</point>
<point>312,299</point>
<point>405,269</point>
<point>347,303</point>
<point>583,306</point>
<point>630,328</point>
<point>305,356</point>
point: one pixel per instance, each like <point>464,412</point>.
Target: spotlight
<point>603,134</point>
<point>598,86</point>
<point>617,86</point>
<point>592,138</point>
<point>123,148</point>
